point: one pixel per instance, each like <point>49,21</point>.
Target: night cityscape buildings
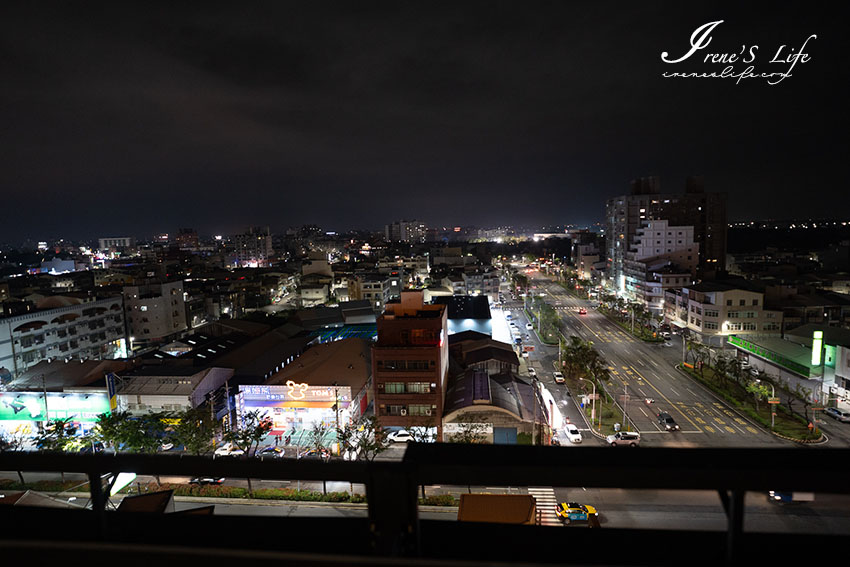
<point>384,265</point>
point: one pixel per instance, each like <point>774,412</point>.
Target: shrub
<point>358,498</point>
<point>439,500</point>
<point>523,438</point>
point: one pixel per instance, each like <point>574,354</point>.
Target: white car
<point>532,371</point>
<point>400,436</point>
<point>229,450</point>
<point>525,354</point>
<point>572,433</point>
<point>559,377</point>
<point>529,326</point>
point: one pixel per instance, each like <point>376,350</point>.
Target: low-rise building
<point>155,311</point>
<point>62,327</point>
<point>711,311</point>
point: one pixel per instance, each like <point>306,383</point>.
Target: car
<point>313,454</point>
<point>525,354</point>
<point>559,377</point>
<point>668,344</point>
<point>508,316</point>
<point>527,337</point>
<point>228,450</point>
<point>754,372</point>
<point>575,512</point>
<point>400,436</point>
<point>89,448</point>
<point>572,433</point>
<point>518,341</point>
<point>785,497</point>
<point>839,414</point>
<point>582,311</point>
<point>667,422</point>
<point>529,326</point>
<point>630,438</point>
<point>269,453</point>
<point>665,335</point>
<point>207,480</point>
<point>532,371</point>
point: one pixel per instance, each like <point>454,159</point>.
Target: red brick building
<point>410,363</point>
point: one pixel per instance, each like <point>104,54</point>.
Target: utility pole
<point>633,319</point>
<point>336,415</point>
<point>625,405</point>
<point>46,412</point>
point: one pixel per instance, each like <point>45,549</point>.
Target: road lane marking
<point>674,391</point>
<point>691,391</point>
<point>650,384</point>
<point>641,362</point>
<point>643,412</point>
<point>653,362</point>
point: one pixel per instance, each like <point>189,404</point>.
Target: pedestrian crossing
<point>544,496</point>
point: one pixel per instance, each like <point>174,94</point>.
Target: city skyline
<point>151,119</point>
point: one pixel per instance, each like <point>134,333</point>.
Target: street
<point>638,371</point>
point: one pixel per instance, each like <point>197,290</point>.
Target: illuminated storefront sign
<point>295,406</point>
<point>817,346</point>
<point>29,406</point>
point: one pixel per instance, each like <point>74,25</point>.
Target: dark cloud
<point>139,117</point>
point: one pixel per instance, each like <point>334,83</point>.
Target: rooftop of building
<point>57,375</point>
<point>834,336</point>
<point>347,362</point>
<point>465,306</point>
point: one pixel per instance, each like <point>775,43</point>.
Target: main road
<point>639,371</point>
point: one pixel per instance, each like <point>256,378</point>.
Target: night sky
<point>122,118</point>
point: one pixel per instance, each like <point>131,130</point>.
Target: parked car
<point>575,512</point>
<point>525,354</point>
<point>839,414</point>
<point>529,326</point>
<point>400,436</point>
<point>313,454</point>
<point>784,497</point>
<point>630,438</point>
<point>207,480</point>
<point>667,422</point>
<point>559,377</point>
<point>668,344</point>
<point>572,433</point>
<point>532,371</point>
<point>96,447</point>
<point>754,372</point>
<point>229,450</point>
<point>269,453</point>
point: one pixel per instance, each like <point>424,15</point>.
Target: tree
<point>469,432</point>
<point>254,429</point>
<point>195,429</point>
<point>804,394</point>
<point>721,367</point>
<point>363,439</point>
<point>58,435</point>
<point>759,391</point>
<point>111,429</point>
<point>145,433</point>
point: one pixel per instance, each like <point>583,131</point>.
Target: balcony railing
<point>394,529</point>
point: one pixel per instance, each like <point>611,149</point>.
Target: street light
<point>593,400</point>
<point>772,410</point>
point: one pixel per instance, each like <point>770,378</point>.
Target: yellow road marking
<point>651,385</point>
<point>730,430</point>
<point>752,430</point>
<point>720,421</point>
<point>709,428</point>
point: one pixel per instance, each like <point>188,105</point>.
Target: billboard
<point>30,406</point>
<point>295,406</point>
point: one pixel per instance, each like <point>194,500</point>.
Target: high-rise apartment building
<point>412,231</point>
<point>705,212</point>
<point>410,361</point>
<point>253,249</point>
